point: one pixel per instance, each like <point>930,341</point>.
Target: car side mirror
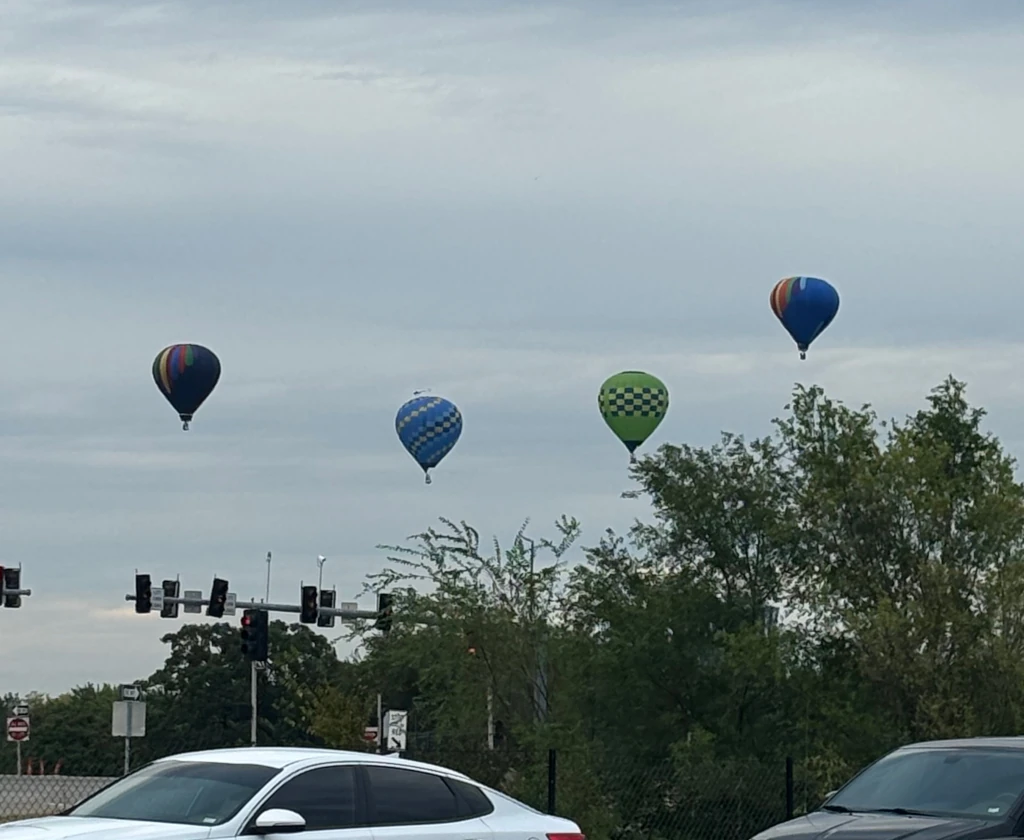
<point>278,821</point>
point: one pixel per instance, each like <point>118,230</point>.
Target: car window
<point>324,797</point>
<point>975,782</point>
<point>402,796</point>
<point>186,792</point>
<point>474,802</point>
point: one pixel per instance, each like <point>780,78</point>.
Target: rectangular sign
<point>119,719</point>
<point>20,710</point>
<point>349,606</point>
<point>396,725</point>
<point>193,595</point>
<point>230,603</point>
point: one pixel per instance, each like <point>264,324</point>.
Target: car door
<point>329,798</point>
<point>408,804</point>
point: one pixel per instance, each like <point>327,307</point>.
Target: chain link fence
<point>625,798</point>
<point>22,797</point>
<point>611,798</point>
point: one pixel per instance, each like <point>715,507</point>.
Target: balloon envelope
<point>805,306</point>
<point>428,427</point>
<point>186,374</point>
<point>633,404</point>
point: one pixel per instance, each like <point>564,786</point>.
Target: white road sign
<point>193,595</point>
<point>396,724</point>
<point>349,606</point>
<point>20,711</point>
<point>18,728</point>
<point>230,603</point>
<point>119,721</point>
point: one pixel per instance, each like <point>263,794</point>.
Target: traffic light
<point>218,597</point>
<point>309,606</point>
<point>172,589</point>
<point>143,593</point>
<point>256,635</point>
<point>12,580</point>
<point>385,610</point>
<point>327,597</point>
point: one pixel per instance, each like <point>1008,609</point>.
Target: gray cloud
<point>348,203</point>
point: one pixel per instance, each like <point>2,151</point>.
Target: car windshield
<point>188,792</point>
<point>967,782</point>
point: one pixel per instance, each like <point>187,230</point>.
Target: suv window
<point>976,782</point>
<point>473,802</point>
<point>325,797</point>
<point>402,796</point>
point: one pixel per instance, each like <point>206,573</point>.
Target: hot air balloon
<point>429,427</point>
<point>805,306</point>
<point>633,404</point>
<point>186,374</point>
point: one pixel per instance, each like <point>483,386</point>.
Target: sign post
<point>396,725</point>
<point>128,720</point>
<point>19,728</point>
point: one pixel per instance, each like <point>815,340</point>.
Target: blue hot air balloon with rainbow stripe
<point>805,306</point>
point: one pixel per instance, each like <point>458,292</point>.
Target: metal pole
<point>490,718</point>
<point>552,779</point>
<point>252,700</point>
<point>17,746</point>
<point>380,723</point>
<point>268,576</point>
<point>320,560</point>
<point>128,740</point>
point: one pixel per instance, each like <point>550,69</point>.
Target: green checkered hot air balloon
<point>633,404</point>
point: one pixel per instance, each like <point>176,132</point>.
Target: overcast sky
<point>501,202</point>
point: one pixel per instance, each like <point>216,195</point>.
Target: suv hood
<point>64,828</point>
<point>822,825</point>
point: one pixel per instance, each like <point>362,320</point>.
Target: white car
<point>275,791</point>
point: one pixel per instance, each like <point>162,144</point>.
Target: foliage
<point>827,592</point>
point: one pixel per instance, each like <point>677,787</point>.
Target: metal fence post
<point>789,787</point>
<point>552,779</point>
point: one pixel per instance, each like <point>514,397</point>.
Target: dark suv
<point>937,790</point>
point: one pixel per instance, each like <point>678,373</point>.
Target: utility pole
<point>254,678</point>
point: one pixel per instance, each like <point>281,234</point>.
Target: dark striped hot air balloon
<point>186,374</point>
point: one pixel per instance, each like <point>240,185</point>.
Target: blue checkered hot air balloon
<point>429,427</point>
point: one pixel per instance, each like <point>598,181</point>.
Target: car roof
<point>1007,742</point>
<point>281,757</point>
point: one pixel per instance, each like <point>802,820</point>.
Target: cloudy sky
<point>501,202</point>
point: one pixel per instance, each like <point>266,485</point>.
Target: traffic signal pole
<point>252,703</point>
<point>260,605</point>
<point>316,606</point>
